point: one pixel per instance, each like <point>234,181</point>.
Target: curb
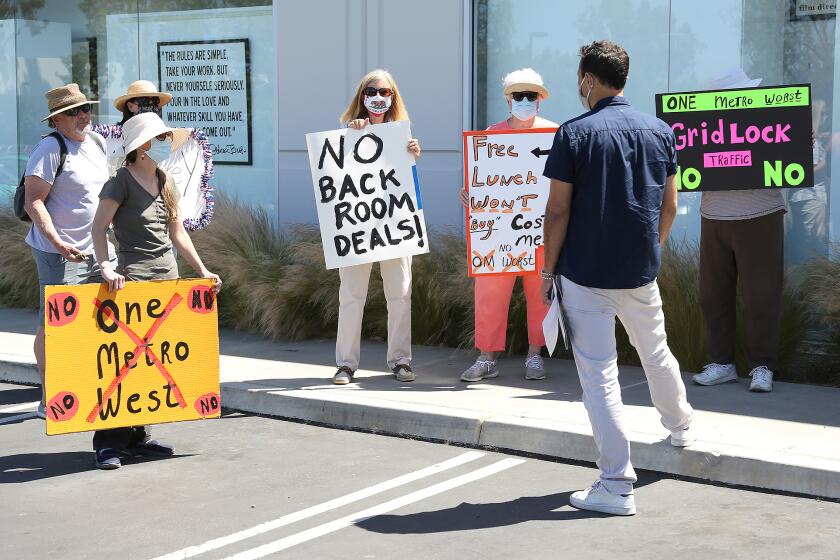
<point>797,474</point>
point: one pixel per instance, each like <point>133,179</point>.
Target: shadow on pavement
<point>469,517</point>
<point>27,467</point>
<point>19,396</point>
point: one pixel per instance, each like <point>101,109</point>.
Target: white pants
<point>591,316</point>
<point>352,295</point>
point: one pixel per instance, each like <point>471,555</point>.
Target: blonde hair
<point>357,110</point>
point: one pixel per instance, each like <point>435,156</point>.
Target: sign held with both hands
<point>368,194</point>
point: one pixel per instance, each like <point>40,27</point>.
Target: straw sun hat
<point>141,88</point>
<point>65,97</point>
<point>141,128</point>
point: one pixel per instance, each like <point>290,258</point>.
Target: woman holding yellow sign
<point>141,202</point>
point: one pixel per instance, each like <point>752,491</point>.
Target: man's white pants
<point>591,314</point>
<point>352,295</point>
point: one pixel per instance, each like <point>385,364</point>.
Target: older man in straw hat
<point>741,242</point>
<point>61,199</point>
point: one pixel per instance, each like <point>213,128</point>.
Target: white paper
<point>554,324</point>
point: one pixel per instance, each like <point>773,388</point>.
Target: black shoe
<point>107,459</point>
<point>150,447</point>
<point>343,376</point>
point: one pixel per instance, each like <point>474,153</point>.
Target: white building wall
<point>318,68</point>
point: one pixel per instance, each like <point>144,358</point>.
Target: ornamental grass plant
<point>275,285</point>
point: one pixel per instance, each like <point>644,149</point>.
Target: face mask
<point>523,110</point>
<point>377,105</point>
<point>148,107</point>
<point>584,99</point>
<point>160,150</point>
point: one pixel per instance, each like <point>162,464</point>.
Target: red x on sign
<point>515,261</point>
<point>142,344</point>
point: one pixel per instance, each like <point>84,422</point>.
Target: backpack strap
<point>62,151</point>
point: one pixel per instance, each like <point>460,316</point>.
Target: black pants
<point>749,254</point>
<point>120,438</point>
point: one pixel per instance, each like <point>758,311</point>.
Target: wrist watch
<point>546,275</point>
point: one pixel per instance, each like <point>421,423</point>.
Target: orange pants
<point>492,302</point>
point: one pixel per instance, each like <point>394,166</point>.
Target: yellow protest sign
<point>147,354</point>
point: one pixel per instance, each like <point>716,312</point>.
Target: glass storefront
<point>215,56</point>
<point>678,46</point>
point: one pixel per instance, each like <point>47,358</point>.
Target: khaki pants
<point>749,253</point>
<point>352,295</point>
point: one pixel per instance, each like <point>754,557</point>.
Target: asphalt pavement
<point>247,487</point>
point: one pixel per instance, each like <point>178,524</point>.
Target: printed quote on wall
<point>209,84</point>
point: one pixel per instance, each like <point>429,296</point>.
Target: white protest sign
<point>189,164</point>
<point>507,196</point>
<point>367,193</point>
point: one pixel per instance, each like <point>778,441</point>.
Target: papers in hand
<point>554,324</point>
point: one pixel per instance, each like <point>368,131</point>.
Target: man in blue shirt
<point>612,204</point>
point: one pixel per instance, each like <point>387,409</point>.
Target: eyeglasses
<point>372,91</point>
<point>529,95</point>
<point>75,110</point>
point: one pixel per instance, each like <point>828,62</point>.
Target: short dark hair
<point>607,61</point>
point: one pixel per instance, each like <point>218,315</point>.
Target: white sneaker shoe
<point>597,498</point>
<point>683,438</point>
<point>715,374</point>
<point>762,380</point>
<point>42,411</point>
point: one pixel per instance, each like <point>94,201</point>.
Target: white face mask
<point>377,105</point>
<point>584,99</point>
<point>523,110</point>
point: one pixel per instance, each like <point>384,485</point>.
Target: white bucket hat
<point>141,128</point>
<point>733,78</point>
<point>525,79</point>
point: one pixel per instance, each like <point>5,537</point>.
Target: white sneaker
<point>597,498</point>
<point>762,380</point>
<point>534,368</point>
<point>715,374</point>
<point>42,411</point>
<point>683,438</point>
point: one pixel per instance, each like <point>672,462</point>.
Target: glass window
<point>678,46</point>
<point>222,60</point>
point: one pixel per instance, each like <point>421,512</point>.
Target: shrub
<point>275,285</point>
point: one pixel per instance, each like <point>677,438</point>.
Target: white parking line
<point>217,543</point>
<point>18,417</point>
<point>19,407</point>
<point>326,528</point>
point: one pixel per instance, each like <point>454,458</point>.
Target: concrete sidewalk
<point>786,440</point>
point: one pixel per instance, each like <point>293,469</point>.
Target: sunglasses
<point>520,95</point>
<point>145,100</point>
<point>372,91</point>
<point>75,110</point>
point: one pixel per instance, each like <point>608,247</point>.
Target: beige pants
<point>352,295</point>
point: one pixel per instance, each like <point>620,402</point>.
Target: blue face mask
<point>523,110</point>
<point>159,150</point>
